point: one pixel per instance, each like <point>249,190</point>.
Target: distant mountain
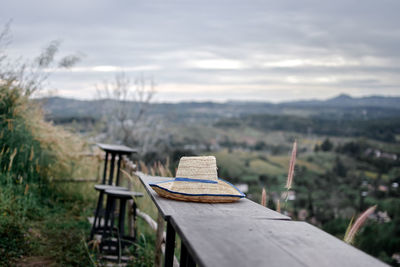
<point>344,100</point>
<point>370,101</point>
<point>342,106</point>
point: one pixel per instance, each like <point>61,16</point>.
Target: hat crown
<point>204,167</point>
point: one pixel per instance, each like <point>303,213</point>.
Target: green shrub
<point>13,243</point>
<point>143,251</point>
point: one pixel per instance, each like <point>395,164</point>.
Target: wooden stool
<point>116,151</point>
<point>114,239</point>
<point>100,212</point>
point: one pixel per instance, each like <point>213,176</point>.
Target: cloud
<point>215,64</point>
<point>282,47</point>
<point>108,68</point>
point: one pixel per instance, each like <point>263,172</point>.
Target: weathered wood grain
<point>241,208</point>
<point>233,241</point>
<point>247,234</point>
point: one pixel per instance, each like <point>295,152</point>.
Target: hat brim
<point>184,189</point>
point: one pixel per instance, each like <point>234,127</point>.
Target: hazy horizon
<point>224,101</point>
<point>217,50</point>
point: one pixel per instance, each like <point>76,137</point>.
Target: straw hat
<point>197,180</point>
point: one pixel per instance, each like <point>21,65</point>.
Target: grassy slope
<point>40,220</point>
<point>60,234</point>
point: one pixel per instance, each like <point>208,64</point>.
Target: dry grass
<point>353,229</point>
<point>278,205</point>
<point>32,152</point>
<point>264,197</point>
<point>145,204</point>
<point>291,166</point>
<point>157,169</point>
<point>63,147</point>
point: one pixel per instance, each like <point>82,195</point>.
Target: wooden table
<point>245,233</point>
<point>240,241</point>
<point>241,208</point>
<point>114,150</point>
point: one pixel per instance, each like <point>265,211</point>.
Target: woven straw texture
<point>203,168</point>
<point>220,188</point>
<point>198,168</point>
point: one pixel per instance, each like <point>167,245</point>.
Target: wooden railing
<point>98,157</point>
<point>243,233</point>
<point>129,169</point>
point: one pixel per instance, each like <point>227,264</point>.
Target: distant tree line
<point>384,129</point>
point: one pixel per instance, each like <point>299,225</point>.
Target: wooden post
<point>186,259</point>
<point>159,240</point>
<point>190,261</point>
<point>184,255</point>
<point>169,246</point>
<point>131,225</point>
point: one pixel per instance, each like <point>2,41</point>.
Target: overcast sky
<point>218,50</point>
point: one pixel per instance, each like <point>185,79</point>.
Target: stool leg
<point>105,169</point>
<point>134,220</point>
<point>107,215</point>
<point>101,210</point>
<point>96,215</point>
<point>110,179</point>
<point>118,169</point>
<point>121,219</point>
<point>106,232</point>
<point>112,212</point>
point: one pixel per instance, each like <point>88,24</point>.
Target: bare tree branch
<point>126,105</point>
<point>30,74</point>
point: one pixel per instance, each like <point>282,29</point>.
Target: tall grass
<point>353,229</point>
<point>289,182</point>
<point>264,197</point>
<point>291,167</point>
<point>36,217</point>
<point>32,153</point>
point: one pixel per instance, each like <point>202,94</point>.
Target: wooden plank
<point>243,207</point>
<point>123,193</point>
<point>239,241</point>
<point>120,149</point>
